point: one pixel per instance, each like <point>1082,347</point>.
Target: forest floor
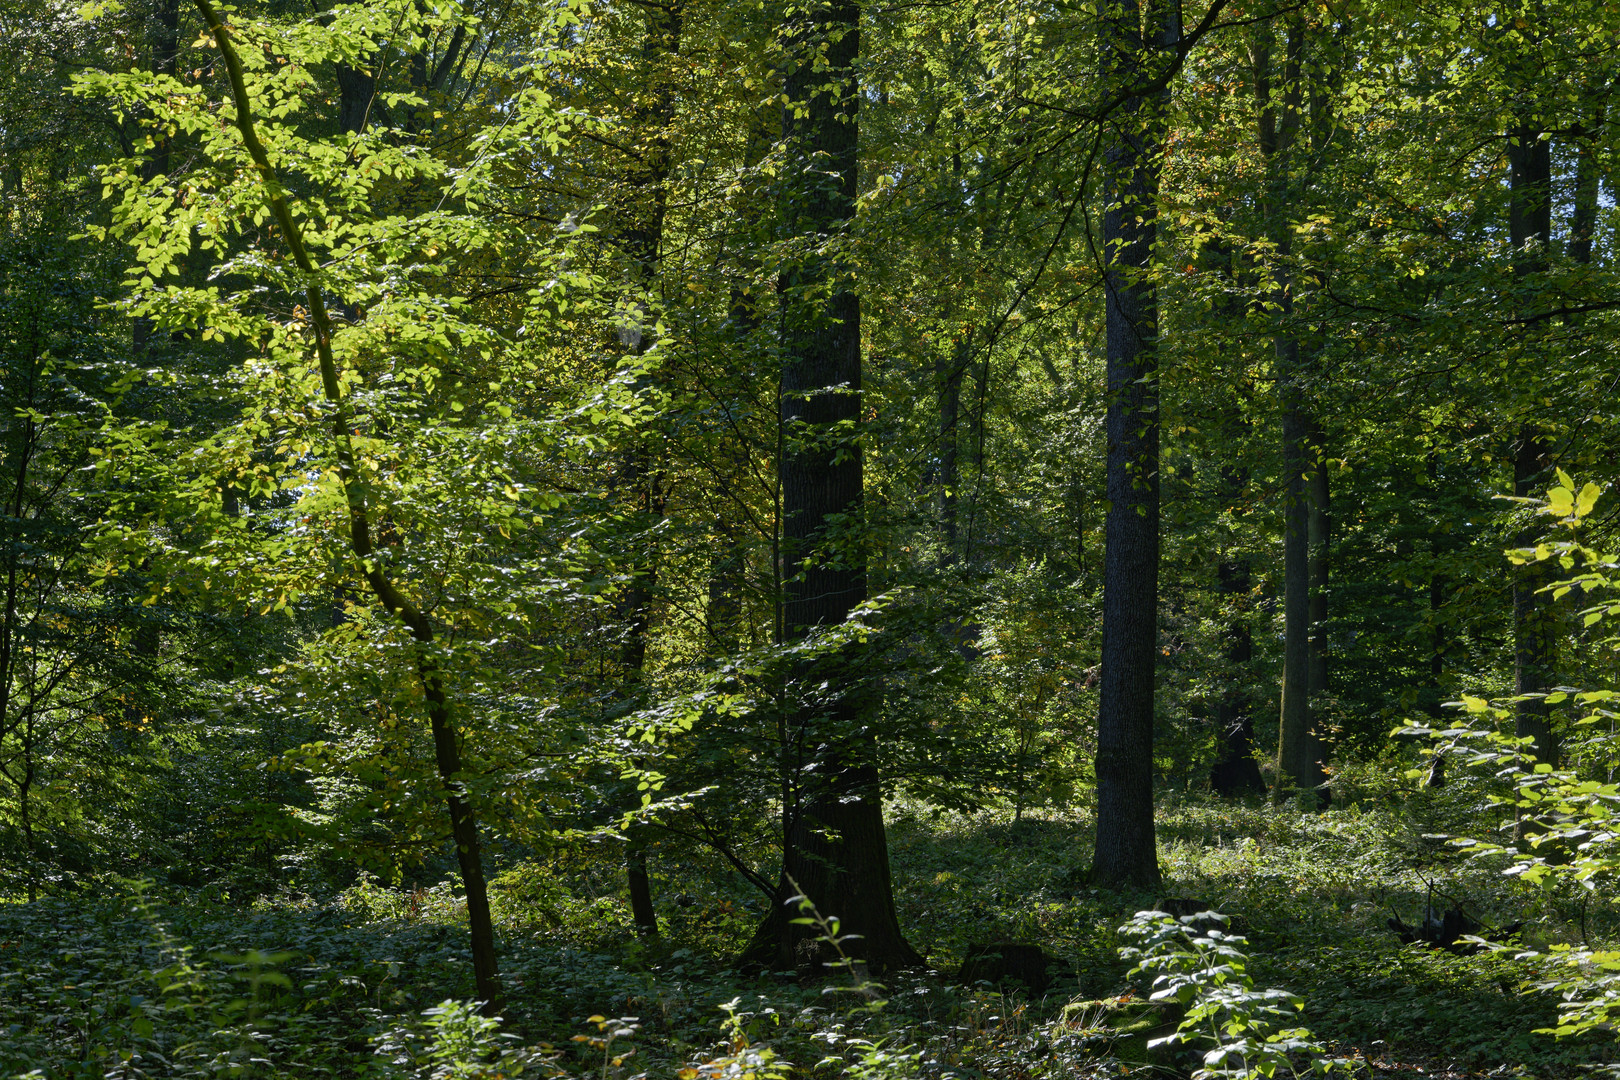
<point>159,983</point>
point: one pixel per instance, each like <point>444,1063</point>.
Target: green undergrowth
<point>144,985</point>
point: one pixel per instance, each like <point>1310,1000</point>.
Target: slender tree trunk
<point>1534,625</point>
<point>1438,589</point>
<point>1237,772</point>
<point>834,847</point>
<point>1125,852</point>
<point>642,214</point>
<point>446,743</point>
<point>1299,749</point>
<point>948,477</point>
<point>163,30</point>
<point>1319,534</point>
<point>1535,629</point>
<point>642,911</point>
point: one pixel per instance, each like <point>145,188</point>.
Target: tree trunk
<point>356,88</point>
<point>948,476</point>
<point>1236,772</point>
<point>834,848</point>
<point>164,31</point>
<point>1319,535</point>
<point>641,213</point>
<point>1535,630</point>
<point>1299,749</point>
<point>1534,627</point>
<point>642,911</point>
<point>1125,853</point>
<point>1299,752</point>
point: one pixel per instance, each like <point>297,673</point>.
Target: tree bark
<point>1125,851</point>
<point>834,847</point>
<point>1534,628</point>
<point>1299,747</point>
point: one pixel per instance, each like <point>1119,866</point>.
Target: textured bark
<point>834,848</point>
<point>1125,853</point>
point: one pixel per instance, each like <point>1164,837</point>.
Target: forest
<point>770,539</point>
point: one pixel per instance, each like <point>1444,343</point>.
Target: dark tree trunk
<point>641,214</point>
<point>1319,535</point>
<point>1236,772</point>
<point>1125,852</point>
<point>1299,748</point>
<point>642,912</point>
<point>948,475</point>
<point>1437,644</point>
<point>356,88</point>
<point>834,848</point>
<point>1588,170</point>
<point>1534,627</point>
<point>1299,751</point>
<point>164,31</point>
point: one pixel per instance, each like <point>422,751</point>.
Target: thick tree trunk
<point>1125,852</point>
<point>834,848</point>
<point>356,89</point>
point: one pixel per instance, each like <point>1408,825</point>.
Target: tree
<point>1137,44</point>
<point>835,851</point>
<point>385,454</point>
